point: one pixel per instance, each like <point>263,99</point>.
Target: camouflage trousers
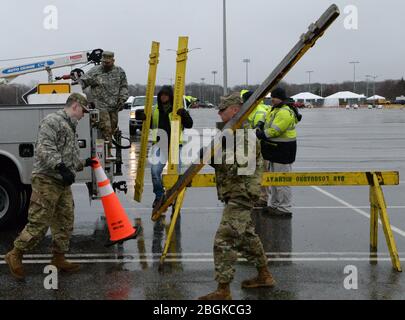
<point>108,124</point>
<point>236,233</point>
<point>51,206</point>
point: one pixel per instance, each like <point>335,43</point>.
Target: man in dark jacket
<point>279,146</point>
<point>161,126</point>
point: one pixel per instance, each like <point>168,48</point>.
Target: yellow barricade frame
<point>150,88</point>
<point>373,179</point>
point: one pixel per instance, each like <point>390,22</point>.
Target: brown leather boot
<point>222,293</point>
<point>263,279</point>
<point>61,263</point>
<point>14,261</point>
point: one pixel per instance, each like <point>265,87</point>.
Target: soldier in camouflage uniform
<point>239,191</point>
<point>51,205</point>
<point>109,92</point>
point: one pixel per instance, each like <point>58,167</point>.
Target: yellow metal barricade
<point>140,172</point>
<point>179,87</point>
<point>374,180</point>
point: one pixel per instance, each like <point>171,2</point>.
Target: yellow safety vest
<point>155,125</point>
<point>280,125</point>
<point>258,114</point>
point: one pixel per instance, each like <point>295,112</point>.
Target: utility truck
<point>19,127</point>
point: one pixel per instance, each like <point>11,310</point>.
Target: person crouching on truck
<point>51,205</point>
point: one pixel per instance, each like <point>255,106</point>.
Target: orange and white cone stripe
<point>104,184</point>
<point>118,223</point>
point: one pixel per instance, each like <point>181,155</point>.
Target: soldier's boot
<point>61,263</point>
<point>223,292</point>
<point>14,261</point>
<point>263,279</point>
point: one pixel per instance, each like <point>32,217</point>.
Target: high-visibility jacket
<point>155,125</point>
<point>279,128</point>
<point>258,114</point>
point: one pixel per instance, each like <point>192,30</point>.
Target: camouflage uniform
<point>236,232</point>
<point>109,92</point>
<point>51,202</point>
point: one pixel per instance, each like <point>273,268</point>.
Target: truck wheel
<point>10,202</point>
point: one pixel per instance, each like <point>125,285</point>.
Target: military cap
<point>107,55</point>
<point>231,100</point>
<point>78,97</point>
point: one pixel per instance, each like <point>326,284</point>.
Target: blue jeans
<point>157,169</point>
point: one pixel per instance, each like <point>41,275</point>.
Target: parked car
<point>138,103</point>
<point>299,105</point>
<point>128,103</point>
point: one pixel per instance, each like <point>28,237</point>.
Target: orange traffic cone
<point>119,226</point>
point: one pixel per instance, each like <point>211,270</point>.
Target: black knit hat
<point>279,93</point>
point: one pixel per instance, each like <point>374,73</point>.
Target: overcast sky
<point>261,30</point>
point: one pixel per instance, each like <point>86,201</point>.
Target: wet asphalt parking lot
<point>307,254</point>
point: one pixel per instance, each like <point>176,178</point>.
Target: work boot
<point>274,212</point>
<point>222,293</point>
<point>260,204</point>
<point>61,263</point>
<point>263,279</point>
<point>14,261</point>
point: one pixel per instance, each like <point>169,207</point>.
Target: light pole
<point>201,90</point>
<point>309,80</point>
<point>214,72</point>
<point>171,80</point>
<point>354,74</point>
<point>247,71</point>
<point>225,62</point>
<point>367,83</point>
<point>374,77</point>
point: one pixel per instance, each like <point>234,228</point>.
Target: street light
<point>214,72</point>
<point>201,91</point>
<point>367,83</point>
<point>247,71</point>
<point>171,80</point>
<point>309,80</point>
<point>354,73</point>
<point>374,77</point>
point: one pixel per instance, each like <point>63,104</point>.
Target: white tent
<point>346,96</point>
<point>306,96</point>
<point>376,97</point>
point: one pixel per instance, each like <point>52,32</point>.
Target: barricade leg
<point>389,237</point>
<point>373,223</point>
<point>173,221</point>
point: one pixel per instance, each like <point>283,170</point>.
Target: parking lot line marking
<point>198,254</point>
<point>294,207</point>
<point>363,213</point>
<point>152,260</point>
